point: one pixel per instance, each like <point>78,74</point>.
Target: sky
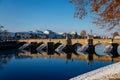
<point>56,15</point>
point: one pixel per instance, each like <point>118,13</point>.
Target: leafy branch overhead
<point>107,12</point>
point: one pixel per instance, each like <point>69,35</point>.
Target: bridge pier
<point>33,47</point>
<point>90,49</point>
<point>50,48</point>
<point>114,49</point>
<point>68,47</point>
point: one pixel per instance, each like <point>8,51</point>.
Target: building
<point>62,34</point>
<point>22,35</point>
<point>117,37</point>
<point>74,34</point>
<point>40,34</point>
<point>49,33</point>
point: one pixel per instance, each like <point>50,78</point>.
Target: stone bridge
<point>63,41</point>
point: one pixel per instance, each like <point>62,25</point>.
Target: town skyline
<point>57,15</point>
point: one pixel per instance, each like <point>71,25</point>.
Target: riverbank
<point>110,72</point>
<point>81,41</point>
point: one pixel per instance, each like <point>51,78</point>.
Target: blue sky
<point>56,15</point>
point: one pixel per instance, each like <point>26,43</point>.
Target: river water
<point>20,65</point>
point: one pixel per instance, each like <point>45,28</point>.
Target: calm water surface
<point>15,67</point>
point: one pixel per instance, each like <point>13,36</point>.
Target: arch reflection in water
<point>99,49</point>
<point>42,67</point>
<point>108,49</point>
<point>59,49</point>
<point>24,46</point>
<point>41,48</point>
<point>118,50</point>
<point>57,45</point>
<point>81,49</point>
<point>76,48</point>
<point>89,57</point>
<point>84,55</point>
<point>25,51</point>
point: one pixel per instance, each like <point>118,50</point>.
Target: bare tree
<point>1,30</point>
<point>115,34</point>
<point>107,12</point>
<point>6,34</point>
<point>1,27</point>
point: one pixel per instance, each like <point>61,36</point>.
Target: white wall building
<point>50,33</point>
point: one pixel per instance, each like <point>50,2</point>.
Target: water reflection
<point>57,63</point>
<point>118,49</point>
<point>46,65</point>
<point>99,49</point>
<point>5,56</point>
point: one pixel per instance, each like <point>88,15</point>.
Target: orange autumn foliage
<point>107,12</point>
